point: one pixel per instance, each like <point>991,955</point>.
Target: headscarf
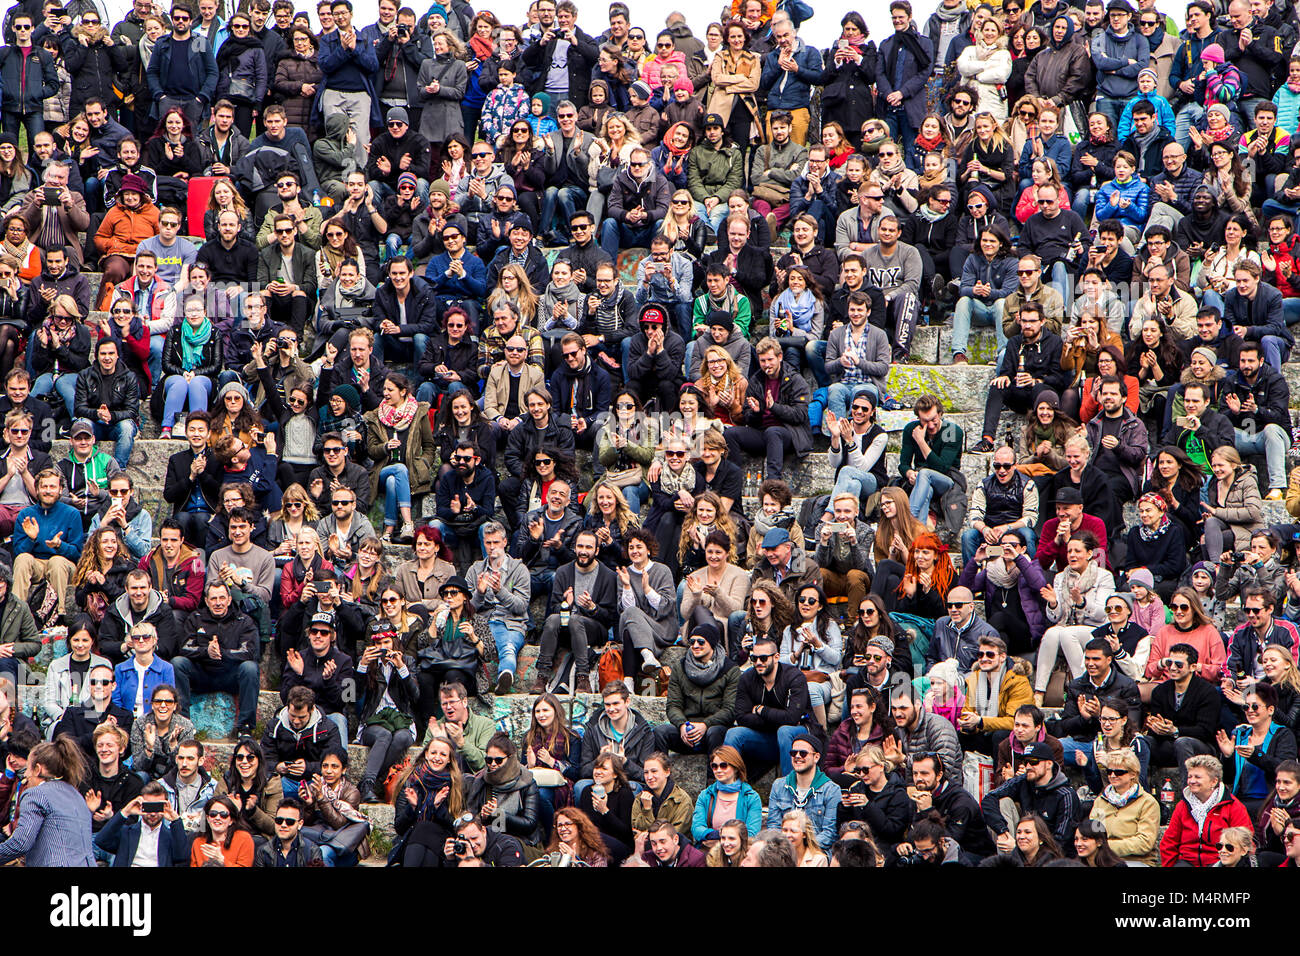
<point>1069,33</point>
<point>674,158</point>
<point>193,341</point>
<point>1151,534</point>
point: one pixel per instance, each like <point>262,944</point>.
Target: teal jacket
<point>749,808</point>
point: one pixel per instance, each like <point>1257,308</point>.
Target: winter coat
<point>901,70</point>
<point>987,70</point>
<point>1061,75</point>
<point>714,172</point>
<point>1135,191</point>
<point>652,194</point>
<point>1187,842</point>
<point>281,743</point>
<point>712,704</point>
<point>93,68</point>
<point>27,80</point>
<point>201,64</point>
<point>291,74</point>
<point>1056,802</point>
<point>791,90</point>
<point>847,97</point>
<point>441,116</point>
<point>1242,508</point>
<point>518,810</point>
<point>242,76</point>
<point>1132,826</point>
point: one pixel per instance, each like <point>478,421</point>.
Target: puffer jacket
<point>240,71</point>
<point>1132,824</point>
<point>1135,191</point>
<point>292,72</point>
<point>93,67</point>
<point>122,229</point>
<point>1116,77</point>
<point>1185,841</point>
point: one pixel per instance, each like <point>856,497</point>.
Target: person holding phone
<point>146,832</point>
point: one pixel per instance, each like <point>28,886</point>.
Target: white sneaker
<point>649,663</point>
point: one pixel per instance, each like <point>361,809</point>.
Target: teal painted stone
<point>213,716</point>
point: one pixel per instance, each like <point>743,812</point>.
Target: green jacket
<point>945,449</point>
<point>17,627</point>
<point>714,704</point>
<point>714,172</point>
<point>478,731</point>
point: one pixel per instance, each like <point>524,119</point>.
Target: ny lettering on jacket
<point>888,278</point>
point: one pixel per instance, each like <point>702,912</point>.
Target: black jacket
<point>94,68</point>
<point>888,813</point>
<point>281,743</point>
<point>393,149</point>
<point>404,691</point>
<point>1056,802</point>
<point>113,629</point>
<point>421,310</point>
<point>1199,715</point>
<point>461,358</point>
<point>303,852</point>
<point>638,743</point>
<point>331,692</point>
<point>604,593</point>
<point>1261,315</point>
<point>1041,359</point>
<point>963,818</point>
<point>518,805</point>
<point>116,791</point>
<point>177,486</point>
<point>790,408</point>
<point>1215,432</point>
<point>790,689</point>
<point>583,53</point>
<point>1073,724</point>
<point>1281,747</point>
<point>210,359</point>
<point>525,439</point>
<point>236,634</point>
<point>1272,395</point>
<point>119,391</point>
<point>26,93</point>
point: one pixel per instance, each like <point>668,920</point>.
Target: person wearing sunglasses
<point>288,846</point>
<point>1183,712</point>
<point>772,709</point>
<point>1042,790</point>
<point>192,85</point>
<point>1254,750</point>
<point>503,795</point>
<point>399,149</point>
<point>223,840</point>
<point>29,78</point>
<point>1129,813</point>
<point>994,693</point>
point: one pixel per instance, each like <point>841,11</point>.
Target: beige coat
<point>497,391</point>
<point>409,587</point>
<point>1241,508</point>
<point>733,592</point>
<point>1133,829</point>
<point>731,78</point>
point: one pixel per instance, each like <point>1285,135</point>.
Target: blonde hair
<point>806,829</point>
<point>669,228</point>
<point>624,516</point>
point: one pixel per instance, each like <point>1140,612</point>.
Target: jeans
<point>123,434</point>
<point>971,538</point>
<point>715,218</point>
<point>636,495</point>
<point>392,349</point>
<point>1112,107</point>
<point>237,677</point>
<point>757,747</point>
<point>155,356</point>
<point>615,235</point>
<point>973,310</point>
<point>393,245</point>
<point>35,123</point>
<point>928,484</point>
<point>1184,119</point>
<point>178,392</point>
<point>508,642</point>
<point>65,385</point>
<point>1274,442</point>
<point>1291,311</point>
<point>855,481</point>
<point>395,481</point>
<point>570,199</point>
<point>815,354</point>
<point>1275,349</point>
<point>1080,202</point>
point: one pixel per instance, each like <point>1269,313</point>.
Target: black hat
<point>807,738</point>
<point>714,119</point>
<point>1069,496</point>
<point>1038,750</point>
<point>322,619</point>
<point>721,319</point>
<point>458,583</point>
<point>709,632</point>
<point>520,221</point>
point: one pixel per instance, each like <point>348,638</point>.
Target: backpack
<point>953,502</point>
<point>610,668</point>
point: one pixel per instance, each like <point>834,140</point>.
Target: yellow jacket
<point>1014,692</point>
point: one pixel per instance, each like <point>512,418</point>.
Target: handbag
<point>610,667</point>
<point>547,777</point>
<point>605,178</point>
<point>625,477</point>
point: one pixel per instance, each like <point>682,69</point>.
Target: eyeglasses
<point>873,195</point>
<point>297,400</point>
<point>674,454</point>
<point>334,234</point>
<point>953,604</point>
<point>861,408</point>
<point>100,683</point>
<point>28,26</point>
<point>124,311</point>
<point>1003,465</point>
<point>867,612</point>
<point>760,602</point>
<point>119,492</point>
<point>962,102</point>
<point>638,162</point>
<point>941,202</point>
<point>395,124</point>
<point>286,184</point>
<point>238,26</point>
<point>1252,611</point>
<point>1224,846</point>
<point>1116,608</point>
<point>1148,23</point>
<point>1047,202</point>
<point>294,504</point>
<point>494,761</point>
<point>285,821</point>
<point>320,632</point>
<point>181,18</point>
<point>573,354</point>
<point>20,431</point>
<point>1029,113</point>
<point>681,202</point>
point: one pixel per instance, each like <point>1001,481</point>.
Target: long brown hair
<point>721,521</point>
<point>92,556</point>
<point>589,842</point>
<point>1199,617</point>
<point>537,736</point>
<point>61,759</point>
<point>456,787</point>
<point>717,857</point>
<point>902,524</point>
<point>782,610</point>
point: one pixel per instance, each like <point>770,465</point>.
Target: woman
<point>690,424</point>
<point>717,590</point>
<point>447,651</point>
<point>503,795</point>
<point>223,840</point>
<point>989,160</point>
<point>297,513</point>
<point>1155,359</point>
<point>798,315</point>
<point>426,800</point>
<point>734,79</point>
<point>192,357</point>
<point>1157,544</point>
<point>645,629</point>
<point>386,716</point>
<point>1012,587</point>
<point>1233,509</point>
<point>334,818</point>
<point>1092,845</point>
<point>400,444</point>
<point>851,66</point>
<point>1083,345</point>
<point>878,798</point>
<point>1092,163</point>
<point>608,803</point>
<point>17,244</point>
<point>1231,182</point>
<point>307,566</point>
<point>722,384</point>
<point>131,334</point>
<point>297,77</point>
<point>53,825</point>
<point>986,66</point>
<point>419,579</point>
<point>235,415</point>
<point>611,517</point>
<point>551,752</point>
<point>669,157</point>
<point>156,738</point>
<point>515,291</point>
<point>814,644</point>
<point>175,156</point>
<point>1255,749</point>
<point>1129,813</point>
<point>339,247</point>
<point>1200,818</point>
<point>1281,673</point>
<point>1042,440</point>
<point>705,516</point>
<point>768,614</point>
<point>225,198</point>
<point>917,588</point>
<point>1177,479</point>
<point>241,71</point>
<point>801,833</point>
<point>100,574</point>
<point>610,153</point>
<point>131,220</point>
<point>15,177</point>
<point>523,162</point>
<point>684,228</point>
<point>1117,736</point>
<point>365,577</point>
<point>1032,843</point>
<point>255,791</point>
<point>625,447</point>
<point>896,531</point>
<point>867,718</point>
<point>443,81</point>
<point>1093,488</point>
<point>1236,848</point>
<point>1110,361</point>
<point>577,837</point>
<point>1076,604</point>
<point>1280,810</point>
<point>460,420</point>
<point>1190,625</point>
<point>1219,266</point>
<point>67,680</point>
<point>673,485</point>
<point>14,295</point>
<point>728,798</point>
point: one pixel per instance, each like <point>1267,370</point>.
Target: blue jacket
<point>791,91</point>
<point>472,286</point>
<point>1116,77</point>
<point>1164,114</point>
<point>59,519</point>
<point>1187,66</point>
<point>899,70</point>
<point>1135,191</point>
<point>1261,317</point>
<point>1000,274</point>
<point>822,806</point>
<point>42,80</point>
<point>124,675</point>
<point>749,808</point>
<point>332,57</point>
<point>202,63</point>
<point>1056,148</point>
<point>122,839</point>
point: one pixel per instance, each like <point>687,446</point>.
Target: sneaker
<point>984,447</point>
<point>65,429</point>
<point>247,730</point>
<point>1275,495</point>
<point>387,536</point>
<point>505,680</point>
<point>407,534</point>
<point>165,433</point>
<point>960,359</point>
<point>893,405</point>
<point>649,664</point>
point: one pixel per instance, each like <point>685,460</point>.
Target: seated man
<point>772,710</point>
<point>616,728</point>
<point>469,732</point>
<point>458,277</point>
<point>175,570</point>
<point>857,356</point>
<point>1257,403</point>
<point>808,789</point>
<point>326,669</point>
<point>146,832</point>
<point>666,278</point>
<point>582,387</point>
<point>842,550</point>
<point>580,613</point>
<point>342,530</point>
<point>1200,429</point>
<point>107,396</point>
<point>1254,310</point>
<point>1057,531</point>
<point>776,413</point>
<point>895,268</point>
<point>1080,721</point>
<point>1027,726</point>
<point>701,704</point>
<point>449,361</point>
<point>125,514</point>
<point>288,847</point>
<point>609,317</point>
<point>1042,789</point>
<point>993,694</point>
<point>304,218</point>
<point>297,739</point>
<point>220,652</point>
<point>1006,500</point>
<point>959,636</point>
<point>1030,364</point>
<point>188,786</point>
<point>405,313</point>
<point>1174,307</point>
<point>930,453</point>
<point>476,844</point>
<point>339,471</point>
<point>638,202</point>
<point>79,720</point>
<point>248,570</point>
<point>937,790</point>
<point>653,358</point>
<point>1118,439</point>
<point>465,497</point>
<point>110,784</point>
<point>665,847</point>
<point>47,537</point>
<point>501,592</point>
<point>286,269</point>
<point>140,604</point>
<point>1184,712</point>
<point>544,540</point>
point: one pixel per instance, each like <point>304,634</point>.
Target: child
<point>1287,99</point>
<point>1223,81</point>
<point>592,116</point>
<point>1147,91</point>
<point>505,104</point>
<point>540,119</point>
<point>852,175</point>
<point>1148,609</point>
<point>398,212</point>
<point>643,117</point>
<point>684,106</point>
<point>1201,580</point>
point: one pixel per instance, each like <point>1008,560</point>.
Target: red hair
<point>942,575</point>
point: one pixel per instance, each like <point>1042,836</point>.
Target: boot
<point>367,789</point>
<point>538,686</point>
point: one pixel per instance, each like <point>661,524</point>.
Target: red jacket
<point>1182,841</point>
<point>162,314</point>
<point>182,584</point>
<point>291,585</point>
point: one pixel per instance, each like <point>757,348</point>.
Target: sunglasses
<point>389,600</point>
<point>543,461</point>
<point>1115,772</point>
<point>1003,466</point>
<point>335,234</point>
<point>799,754</point>
<point>20,431</point>
<point>987,655</point>
<point>480,154</point>
<point>285,821</point>
<point>811,599</point>
<point>516,348</point>
<point>161,701</point>
<point>219,814</point>
<point>100,683</point>
<point>1255,706</point>
<point>867,612</point>
<point>953,604</point>
<point>334,450</point>
<point>1181,607</point>
<point>342,501</point>
<point>494,761</point>
<point>244,758</point>
<point>284,232</point>
<point>1026,272</point>
<point>395,124</point>
<point>760,658</point>
<point>674,454</point>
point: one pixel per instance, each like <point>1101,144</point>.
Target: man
<point>1254,310</point>
<point>297,739</point>
<point>306,218</point>
<point>1255,48</point>
<point>1118,54</point>
<point>638,202</point>
<point>584,388</point>
<point>172,254</point>
<point>288,848</point>
<point>1172,188</point>
<point>562,55</point>
<point>274,44</point>
<point>1027,726</point>
<point>993,695</point>
<point>465,497</point>
<point>580,612</point>
<point>1147,140</point>
<point>349,64</point>
<point>584,254</point>
<point>857,229</point>
<point>136,837</point>
<point>770,849</point>
<point>519,250</point>
<point>665,847</point>
<point>248,570</point>
<point>924,732</point>
<point>1005,501</point>
<point>877,670</point>
<point>153,300</point>
<point>405,313</point>
<point>748,263</point>
<point>220,651</point>
<point>960,811</point>
<point>501,592</point>
<point>1080,722</point>
<point>815,192</point>
<point>86,712</point>
<point>231,258</point>
<point>790,71</point>
<point>1269,146</point>
<point>1258,406</point>
<point>774,169</point>
<point>1032,288</point>
<point>1201,429</point>
<point>395,151</point>
<point>908,60</point>
<point>58,277</point>
<point>47,536</point>
<point>1057,236</point>
<point>1183,715</point>
<point>29,79</point>
<point>665,278</point>
<point>1119,441</point>
<point>1042,789</point>
<point>475,844</point>
<point>143,675</point>
<point>544,540</point>
<point>360,368</point>
<point>85,472</point>
<point>842,550</point>
<point>540,428</point>
<point>182,71</point>
<point>18,397</point>
<point>183,487</point>
<point>1030,364</point>
<point>188,787</point>
<point>449,362</point>
<point>225,145</point>
<point>619,729</point>
<point>931,453</point>
<point>806,251</point>
<point>321,601</point>
<point>959,635</point>
<point>175,569</point>
<point>279,148</point>
<point>485,176</point>
<point>140,604</point>
<point>1260,630</point>
<point>772,710</point>
<point>459,277</point>
<point>1058,530</point>
<point>713,169</point>
<point>568,180</point>
<point>56,225</point>
<point>400,50</point>
<point>1173,306</point>
<point>806,787</point>
<point>1186,74</point>
<point>342,529</point>
<point>895,268</point>
<point>109,784</point>
<point>775,413</point>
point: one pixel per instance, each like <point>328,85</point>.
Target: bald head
<point>961,605</point>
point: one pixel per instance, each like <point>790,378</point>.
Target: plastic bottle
<point>315,198</point>
<point>1168,797</point>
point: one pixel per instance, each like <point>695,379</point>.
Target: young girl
<point>507,102</point>
<point>1148,608</point>
<point>539,117</point>
<point>592,116</point>
<point>342,413</point>
<point>852,176</point>
<point>798,315</point>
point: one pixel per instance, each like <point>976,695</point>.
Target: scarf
<point>702,675</point>
<point>657,799</point>
<point>398,417</point>
<point>1293,87</point>
<point>671,483</point>
<point>1152,534</point>
<point>1085,582</point>
<point>1000,576</point>
<point>1201,810</point>
<point>911,39</point>
<point>1069,33</point>
<point>801,309</point>
<point>926,213</point>
<point>733,787</point>
<point>725,304</point>
<point>482,47</point>
<point>432,781</point>
<point>606,316</point>
<point>763,522</point>
<point>674,158</point>
<point>232,47</point>
<point>193,341</point>
<point>945,15</point>
<point>1117,799</point>
<point>19,252</point>
<point>988,687</point>
<point>929,145</point>
<point>504,777</point>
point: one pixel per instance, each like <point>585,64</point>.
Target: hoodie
<point>1061,72</point>
<point>1116,77</point>
<point>1055,801</point>
<point>281,743</point>
<point>334,158</point>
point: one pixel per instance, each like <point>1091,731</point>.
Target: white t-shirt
<point>139,688</point>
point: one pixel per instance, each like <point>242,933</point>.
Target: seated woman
<point>17,245</point>
<point>447,650</point>
<point>334,820</point>
<point>798,317</point>
<point>801,833</point>
<point>1043,172</point>
<point>337,247</point>
<point>692,421</point>
<point>67,680</point>
<point>388,710</point>
<point>877,798</point>
<point>814,644</point>
<point>255,790</point>
<point>716,591</point>
<point>175,156</point>
<point>224,196</point>
<point>1280,811</point>
<point>59,348</point>
<point>503,795</point>
<point>611,517</point>
<point>460,420</point>
<point>1130,814</point>
<point>1076,604</point>
<point>1042,440</point>
<point>1129,640</point>
<point>419,579</point>
<point>306,567</point>
<point>1254,750</point>
<point>427,799</point>
<point>1178,480</point>
<point>1156,543</point>
<point>547,464</point>
<point>576,836</point>
<point>729,797</point>
<point>1110,361</point>
<point>235,415</point>
<point>551,750</point>
<point>1092,845</point>
<point>1233,509</point>
<point>366,577</point>
<point>767,614</point>
<point>608,803</point>
<point>192,357</point>
<point>1083,344</point>
<point>1155,359</point>
<point>400,444</point>
<point>100,575</point>
<point>560,308</point>
<point>16,180</point>
<point>157,736</point>
<point>673,485</point>
<point>625,447</point>
<point>721,383</point>
<point>705,516</point>
<point>774,511</point>
<point>130,220</point>
<point>1032,843</point>
<point>223,840</point>
<point>298,513</point>
<point>131,333</point>
<point>919,587</point>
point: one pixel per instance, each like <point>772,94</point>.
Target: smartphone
<point>993,551</point>
<point>1182,421</point>
<point>837,527</point>
<point>152,806</point>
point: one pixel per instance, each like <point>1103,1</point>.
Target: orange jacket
<point>123,229</point>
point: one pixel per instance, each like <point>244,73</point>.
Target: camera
<point>152,806</point>
<point>403,31</point>
<point>912,859</point>
<point>1238,557</point>
<point>460,847</point>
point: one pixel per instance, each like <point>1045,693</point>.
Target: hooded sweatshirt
<point>1116,77</point>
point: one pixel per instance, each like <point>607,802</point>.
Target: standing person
<point>906,61</point>
<point>183,69</point>
<point>1119,55</point>
<point>28,78</point>
<point>53,825</point>
<point>348,86</point>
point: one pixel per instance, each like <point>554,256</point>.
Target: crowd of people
<point>528,299</point>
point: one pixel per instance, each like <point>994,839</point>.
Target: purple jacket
<point>1029,584</point>
<point>687,855</point>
